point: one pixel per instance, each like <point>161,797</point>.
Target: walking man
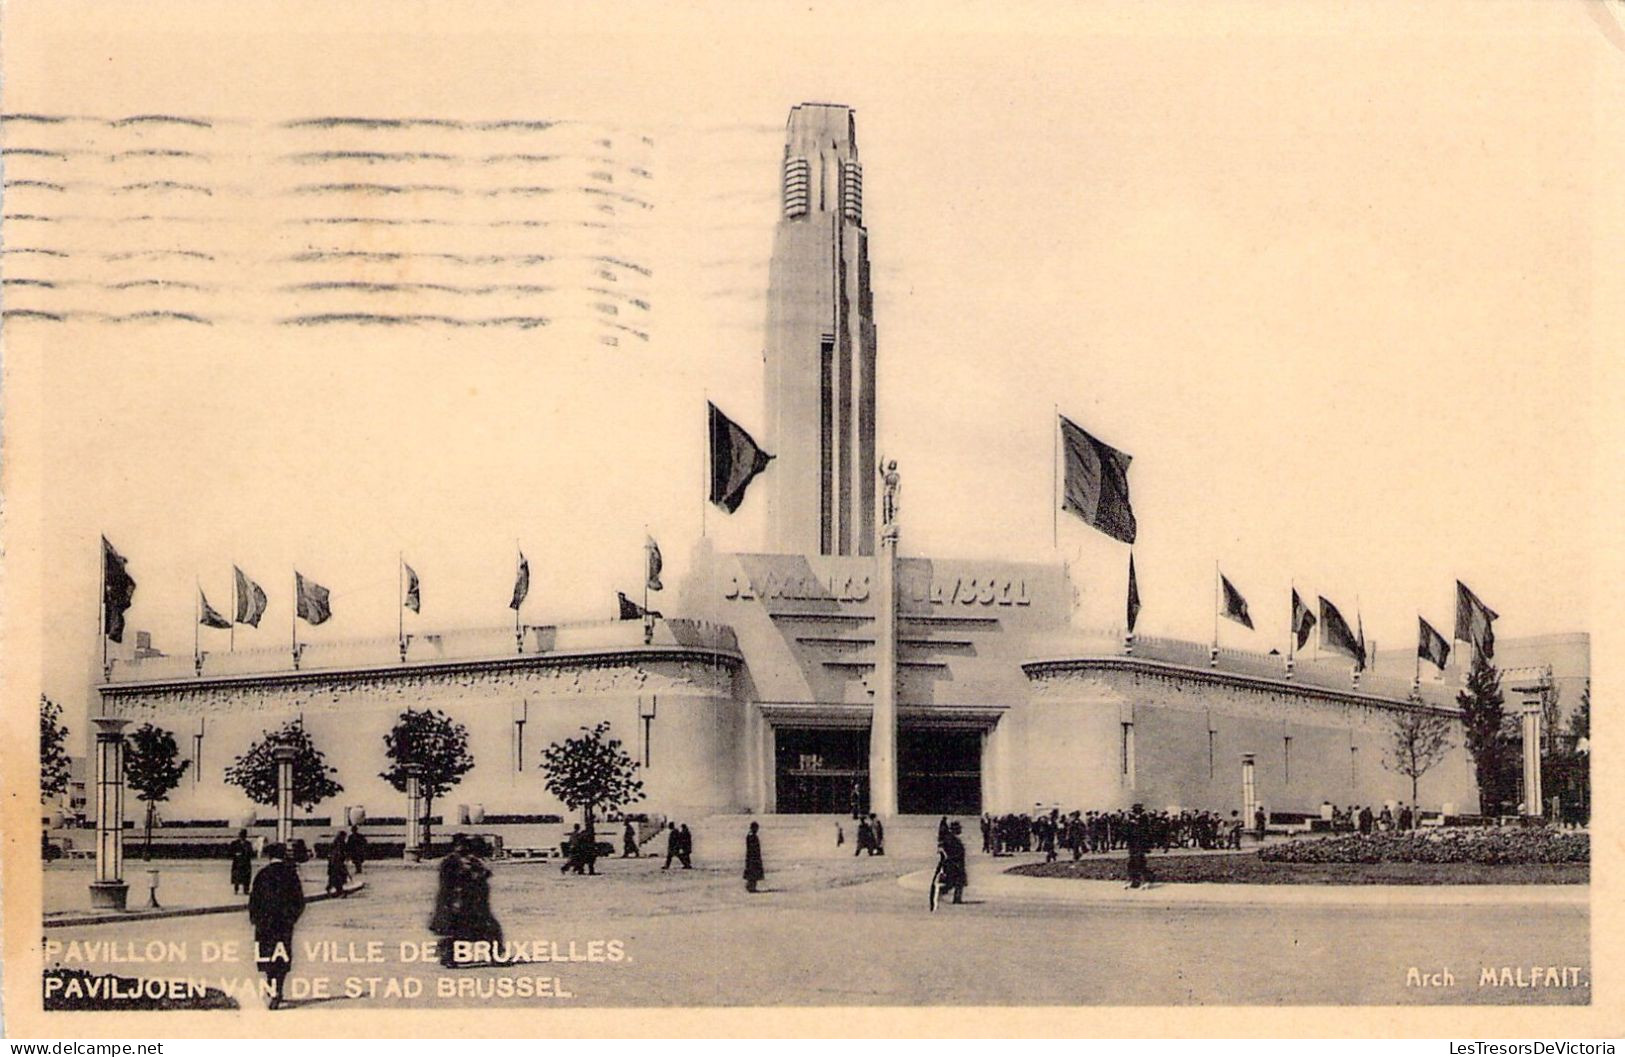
<point>274,905</point>
<point>242,863</point>
<point>754,870</point>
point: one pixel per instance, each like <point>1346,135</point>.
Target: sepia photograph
<point>833,520</point>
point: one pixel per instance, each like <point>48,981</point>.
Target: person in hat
<point>275,902</point>
<point>754,870</point>
<point>241,851</point>
<point>954,874</point>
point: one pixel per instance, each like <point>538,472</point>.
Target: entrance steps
<point>721,838</point>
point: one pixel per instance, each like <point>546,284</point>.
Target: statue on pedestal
<point>888,507</point>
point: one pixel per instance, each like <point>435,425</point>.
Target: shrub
<point>1492,847</point>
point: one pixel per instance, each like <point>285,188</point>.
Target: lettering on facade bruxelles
<point>958,590</point>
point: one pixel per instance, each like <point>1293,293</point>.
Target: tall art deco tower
<point>820,354</point>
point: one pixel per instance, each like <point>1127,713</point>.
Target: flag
<point>413,599</point>
<point>1474,621</point>
<point>521,584</point>
<point>630,610</point>
<point>1303,621</point>
<point>1133,596</point>
<point>207,615</point>
<point>736,459</point>
<point>1096,485</point>
<point>313,606</point>
<point>250,599</point>
<point>1360,657</point>
<point>1337,636</point>
<point>655,564</point>
<point>1430,645</point>
<point>1235,606</point>
<point>118,591</point>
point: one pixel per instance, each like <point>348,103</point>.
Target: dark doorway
<point>939,771</point>
<point>821,770</point>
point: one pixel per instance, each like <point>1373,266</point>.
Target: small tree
<point>437,745</point>
<point>254,772</point>
<point>53,751</point>
<point>1483,719</point>
<point>153,769</point>
<point>1421,739</point>
<point>591,771</point>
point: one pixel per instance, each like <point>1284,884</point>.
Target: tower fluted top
<point>817,127</point>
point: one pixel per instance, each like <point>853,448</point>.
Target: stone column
<point>1533,801</point>
<point>284,756</point>
<point>108,890</point>
<point>414,811</point>
<point>883,720</point>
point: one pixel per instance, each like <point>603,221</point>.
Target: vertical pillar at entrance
<point>284,756</point>
<point>883,719</point>
<point>1533,799</point>
<point>108,890</point>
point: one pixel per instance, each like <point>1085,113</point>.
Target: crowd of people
<point>1083,832</point>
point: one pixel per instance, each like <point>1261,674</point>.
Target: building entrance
<point>821,770</point>
<point>939,771</point>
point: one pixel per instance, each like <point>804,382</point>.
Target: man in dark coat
<point>338,872</point>
<point>1139,841</point>
<point>866,838</point>
<point>685,846</point>
<point>879,831</point>
<point>629,842</point>
<point>274,904</point>
<point>357,847</point>
<point>462,904</point>
<point>953,874</point>
<point>754,870</point>
<point>674,845</point>
<point>242,862</point>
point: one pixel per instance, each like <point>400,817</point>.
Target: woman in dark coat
<point>274,905</point>
<point>242,862</point>
<point>357,847</point>
<point>954,876</point>
<point>754,870</point>
<point>462,906</point>
<point>338,865</point>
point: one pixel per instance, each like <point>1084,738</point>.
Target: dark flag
<point>521,584</point>
<point>313,606</point>
<point>1096,485</point>
<point>118,591</point>
<point>1430,645</point>
<point>250,599</point>
<point>1133,596</point>
<point>1337,636</point>
<point>655,564</point>
<point>1235,606</point>
<point>413,599</point>
<point>1303,621</point>
<point>1474,621</point>
<point>1361,658</point>
<point>207,615</point>
<point>630,610</point>
<point>736,459</point>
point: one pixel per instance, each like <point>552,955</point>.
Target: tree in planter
<point>1484,719</point>
<point>437,745</point>
<point>53,751</point>
<point>254,772</point>
<point>153,769</point>
<point>1421,739</point>
<point>591,771</point>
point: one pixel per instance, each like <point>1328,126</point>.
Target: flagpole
<point>518,560</point>
<point>231,636</point>
<point>101,611</point>
<point>1291,624</point>
<point>293,622</point>
<point>197,622</point>
<point>1216,575</point>
<point>705,484</point>
<point>400,600</point>
<point>1055,479</point>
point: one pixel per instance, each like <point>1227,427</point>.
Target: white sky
<point>1331,286</point>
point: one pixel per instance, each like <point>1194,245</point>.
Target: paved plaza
<point>838,930</point>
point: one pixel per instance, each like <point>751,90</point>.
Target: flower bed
<point>1493,847</point>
